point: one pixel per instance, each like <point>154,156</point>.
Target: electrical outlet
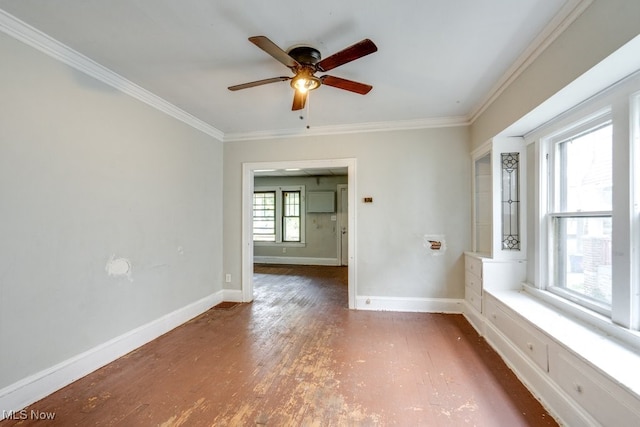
<point>284,250</point>
<point>227,278</point>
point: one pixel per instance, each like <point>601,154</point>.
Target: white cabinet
<point>482,273</point>
<point>473,281</point>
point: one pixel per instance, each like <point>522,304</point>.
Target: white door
<point>343,222</point>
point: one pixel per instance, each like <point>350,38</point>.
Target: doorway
<point>248,174</point>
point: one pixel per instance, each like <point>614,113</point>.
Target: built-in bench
<point>583,375</point>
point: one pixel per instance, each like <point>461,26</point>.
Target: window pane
<point>264,216</point>
<point>583,256</point>
<point>291,203</point>
<point>584,169</point>
<point>291,216</point>
<point>291,229</point>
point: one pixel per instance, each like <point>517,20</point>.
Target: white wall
<point>420,184</point>
<point>87,173</point>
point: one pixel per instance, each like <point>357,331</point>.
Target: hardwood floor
<point>297,356</point>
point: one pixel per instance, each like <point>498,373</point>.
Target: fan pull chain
<point>308,109</point>
<point>305,116</point>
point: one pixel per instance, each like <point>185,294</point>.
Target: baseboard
<point>33,388</point>
<point>552,397</point>
<point>424,305</point>
<point>295,260</point>
<point>232,295</point>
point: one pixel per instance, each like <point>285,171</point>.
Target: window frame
<point>286,215</point>
<point>634,208</point>
<point>280,217</point>
<point>555,213</point>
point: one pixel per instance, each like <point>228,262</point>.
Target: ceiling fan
<point>305,62</point>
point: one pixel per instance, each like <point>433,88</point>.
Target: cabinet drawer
<point>474,265</point>
<point>604,400</point>
<point>526,340</point>
<point>474,282</point>
<point>473,298</point>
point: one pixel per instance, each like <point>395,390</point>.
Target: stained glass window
<point>510,201</point>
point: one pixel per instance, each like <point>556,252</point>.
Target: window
<point>586,258</point>
<point>580,217</point>
<point>291,216</point>
<point>264,216</point>
<point>278,215</point>
<point>590,209</point>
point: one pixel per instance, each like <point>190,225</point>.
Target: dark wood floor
<point>297,356</point>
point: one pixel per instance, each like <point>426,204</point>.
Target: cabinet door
<point>604,400</point>
<point>530,343</point>
<point>473,264</point>
<point>474,299</point>
<point>473,282</point>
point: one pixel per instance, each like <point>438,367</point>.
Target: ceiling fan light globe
<point>304,84</point>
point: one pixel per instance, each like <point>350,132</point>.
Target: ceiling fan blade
<point>299,99</point>
<point>259,82</point>
<point>272,49</point>
<point>358,50</point>
<point>345,84</point>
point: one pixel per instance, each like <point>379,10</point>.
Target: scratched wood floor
<point>297,356</point>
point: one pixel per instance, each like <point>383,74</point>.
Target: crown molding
<point>427,123</point>
<point>35,38</point>
<point>561,21</point>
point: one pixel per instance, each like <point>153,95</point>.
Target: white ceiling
<point>437,60</point>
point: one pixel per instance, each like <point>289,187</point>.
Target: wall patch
<point>119,267</point>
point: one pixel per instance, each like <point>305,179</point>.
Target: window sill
<point>281,244</point>
<point>587,317</point>
<point>613,357</point>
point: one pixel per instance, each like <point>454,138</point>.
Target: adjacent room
<point>336,213</point>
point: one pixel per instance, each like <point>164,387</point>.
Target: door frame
<point>247,216</point>
<point>340,223</point>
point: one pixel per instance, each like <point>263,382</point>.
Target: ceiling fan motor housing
<point>305,55</point>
